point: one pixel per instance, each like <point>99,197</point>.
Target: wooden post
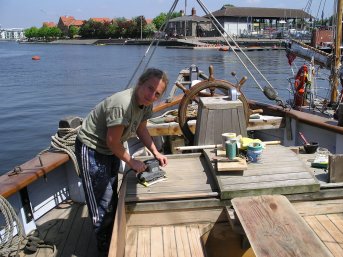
<point>340,115</point>
<point>336,168</point>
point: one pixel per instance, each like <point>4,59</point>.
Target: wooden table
<point>280,171</point>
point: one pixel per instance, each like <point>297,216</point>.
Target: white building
<point>12,34</point>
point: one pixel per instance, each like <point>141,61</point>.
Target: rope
<point>8,242</point>
<point>64,141</point>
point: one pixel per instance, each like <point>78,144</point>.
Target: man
<point>99,146</point>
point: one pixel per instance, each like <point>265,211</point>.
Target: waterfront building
<point>189,26</point>
<point>241,21</point>
<point>49,24</point>
<point>12,34</point>
<point>66,21</point>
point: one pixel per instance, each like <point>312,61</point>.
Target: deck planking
<point>280,171</point>
<point>329,229</point>
<point>165,241</point>
<point>188,176</point>
<point>69,227</point>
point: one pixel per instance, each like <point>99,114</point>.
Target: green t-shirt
<point>118,109</point>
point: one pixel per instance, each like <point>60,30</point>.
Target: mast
<point>337,52</point>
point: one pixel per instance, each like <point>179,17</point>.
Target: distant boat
<point>36,58</point>
<point>224,49</point>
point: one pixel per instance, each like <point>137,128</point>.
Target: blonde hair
<point>153,73</point>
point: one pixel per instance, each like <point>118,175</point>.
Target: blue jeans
<point>99,174</point>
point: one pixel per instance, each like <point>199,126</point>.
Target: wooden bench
<point>274,228</point>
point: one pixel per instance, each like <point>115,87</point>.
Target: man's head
<point>151,86</point>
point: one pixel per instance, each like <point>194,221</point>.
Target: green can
<point>230,148</point>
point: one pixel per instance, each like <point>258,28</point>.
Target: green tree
<point>162,17</point>
<point>31,33</point>
<point>149,30</point>
<point>73,31</point>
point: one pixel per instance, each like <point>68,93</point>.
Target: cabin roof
<point>260,12</point>
<point>190,18</point>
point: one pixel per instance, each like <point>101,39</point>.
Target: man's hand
<point>161,159</point>
<point>137,165</point>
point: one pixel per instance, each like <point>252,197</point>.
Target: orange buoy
<point>36,58</point>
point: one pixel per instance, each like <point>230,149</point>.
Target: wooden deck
<point>280,171</point>
<point>69,227</point>
<point>178,240</point>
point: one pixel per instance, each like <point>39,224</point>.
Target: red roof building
<point>49,24</point>
<point>102,20</point>
<point>66,21</point>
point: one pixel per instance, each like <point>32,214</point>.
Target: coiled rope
<point>8,242</point>
<point>64,141</point>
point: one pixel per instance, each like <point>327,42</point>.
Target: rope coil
<point>8,242</point>
<point>64,141</point>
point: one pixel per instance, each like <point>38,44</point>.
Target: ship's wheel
<point>206,88</point>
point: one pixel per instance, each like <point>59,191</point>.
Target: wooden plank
<point>117,246</point>
<point>332,229</point>
<point>74,235</point>
<point>320,207</point>
<point>156,241</point>
<point>195,241</point>
<point>143,243</point>
<point>288,175</point>
<point>191,179</point>
<point>274,228</point>
<point>182,242</point>
<point>131,242</point>
<point>169,243</point>
<point>328,232</point>
<point>336,168</point>
<point>338,220</point>
<point>86,240</point>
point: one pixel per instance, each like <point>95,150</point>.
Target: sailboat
<point>330,61</point>
<point>285,204</point>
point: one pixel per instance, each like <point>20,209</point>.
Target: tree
<point>162,17</point>
<point>73,31</point>
<point>32,32</point>
<point>149,30</point>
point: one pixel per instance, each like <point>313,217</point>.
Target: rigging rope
<point>8,242</point>
<point>155,39</point>
<point>64,141</point>
<point>217,24</point>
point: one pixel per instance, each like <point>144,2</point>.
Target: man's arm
<point>145,138</point>
<point>113,137</point>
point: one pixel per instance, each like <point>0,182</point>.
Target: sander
<point>152,174</point>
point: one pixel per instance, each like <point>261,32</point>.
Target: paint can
<point>227,137</point>
<point>230,148</point>
<point>254,152</point>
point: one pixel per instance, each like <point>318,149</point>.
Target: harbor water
<point>69,80</point>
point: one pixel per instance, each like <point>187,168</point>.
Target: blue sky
<point>25,13</point>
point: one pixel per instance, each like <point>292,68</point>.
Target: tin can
<point>226,137</point>
<point>254,152</point>
<point>230,148</point>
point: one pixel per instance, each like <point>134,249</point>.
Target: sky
<point>26,13</point>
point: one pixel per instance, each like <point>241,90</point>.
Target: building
<point>189,26</point>
<point>12,34</point>
<point>49,24</point>
<point>101,20</point>
<point>246,20</point>
<point>66,21</point>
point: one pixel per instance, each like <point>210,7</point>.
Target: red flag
<point>291,57</point>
